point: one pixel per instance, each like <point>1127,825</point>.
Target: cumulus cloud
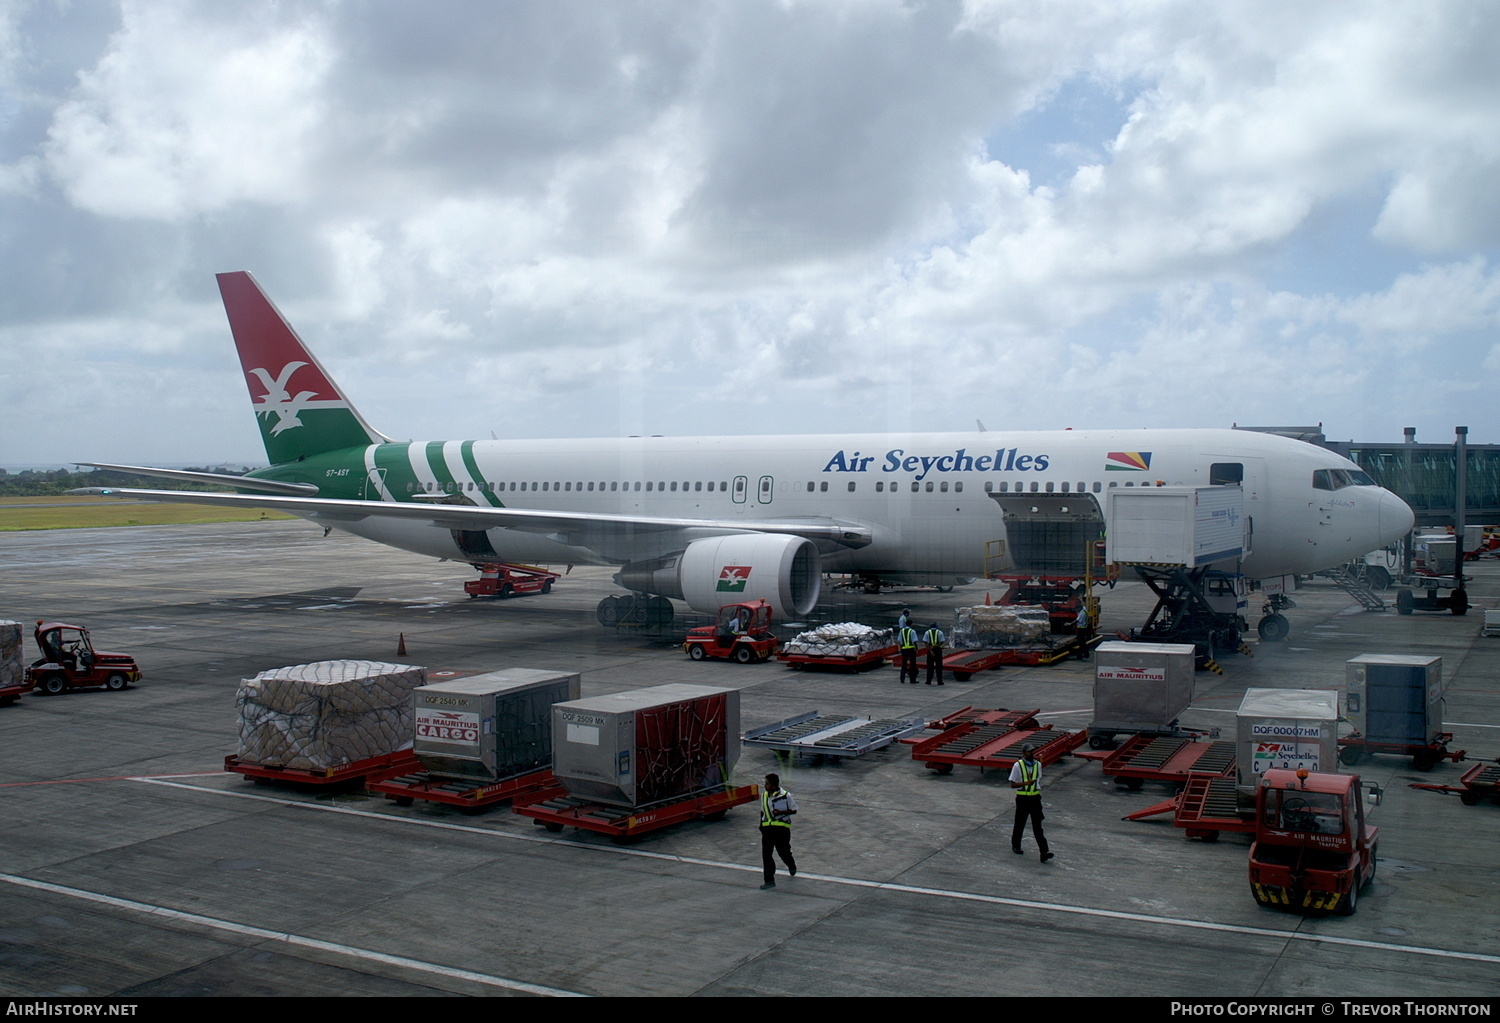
<point>764,216</point>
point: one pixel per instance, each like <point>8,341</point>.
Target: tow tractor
<point>69,661</point>
<point>1435,568</point>
<point>1313,849</point>
<point>499,580</point>
<point>742,633</point>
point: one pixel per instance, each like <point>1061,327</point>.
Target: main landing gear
<point>639,610</point>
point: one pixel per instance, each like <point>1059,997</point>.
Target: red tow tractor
<point>742,633</point>
<point>1313,849</point>
<point>69,661</point>
<point>502,581</point>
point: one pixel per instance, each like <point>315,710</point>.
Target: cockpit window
<point>1338,479</point>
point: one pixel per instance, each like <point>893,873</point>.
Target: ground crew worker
<point>1083,626</point>
<point>776,809</point>
<point>934,639</point>
<point>904,619</point>
<point>906,639</point>
<point>1026,779</point>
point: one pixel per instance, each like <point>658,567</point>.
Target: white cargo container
<point>1395,698</point>
<point>1140,687</point>
<point>489,727</point>
<point>1188,526</point>
<point>648,745</point>
<point>1285,728</point>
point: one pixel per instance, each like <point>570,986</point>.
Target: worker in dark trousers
<point>776,809</point>
<point>1026,779</point>
<point>934,639</point>
<point>906,639</point>
<point>1083,626</point>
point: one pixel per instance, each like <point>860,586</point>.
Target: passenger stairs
<point>1350,584</point>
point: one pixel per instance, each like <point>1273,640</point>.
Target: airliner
<point>714,520</point>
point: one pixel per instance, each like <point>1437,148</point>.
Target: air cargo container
<point>489,727</point>
<point>1140,687</point>
<point>1187,526</point>
<point>1285,728</point>
<point>647,745</point>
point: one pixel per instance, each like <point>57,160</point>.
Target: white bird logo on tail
<point>279,401</point>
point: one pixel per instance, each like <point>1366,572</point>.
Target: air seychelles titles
<point>897,460</point>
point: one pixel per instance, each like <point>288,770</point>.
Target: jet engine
<point>785,571</point>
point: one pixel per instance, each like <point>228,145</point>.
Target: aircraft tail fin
<point>300,410</point>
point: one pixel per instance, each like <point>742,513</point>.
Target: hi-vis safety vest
<point>908,638</point>
<point>1031,773</point>
<point>769,809</point>
<point>934,638</point>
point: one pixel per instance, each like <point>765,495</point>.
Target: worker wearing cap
<point>776,809</point>
<point>934,639</point>
<point>1083,626</point>
<point>1026,779</point>
<point>906,639</point>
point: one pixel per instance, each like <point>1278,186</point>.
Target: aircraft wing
<point>580,528</point>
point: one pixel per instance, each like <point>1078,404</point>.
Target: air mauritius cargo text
<point>897,460</point>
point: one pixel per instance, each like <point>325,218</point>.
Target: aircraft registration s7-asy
<point>714,520</point>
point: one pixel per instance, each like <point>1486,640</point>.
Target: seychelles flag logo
<point>732,578</point>
<point>1127,461</point>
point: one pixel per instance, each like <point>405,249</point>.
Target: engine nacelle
<point>785,571</point>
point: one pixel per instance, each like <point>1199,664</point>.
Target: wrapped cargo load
<point>977,628</point>
<point>843,639</point>
<point>490,727</point>
<point>311,717</point>
<point>647,745</point>
<point>12,663</point>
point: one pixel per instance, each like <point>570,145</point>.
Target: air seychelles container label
<point>1288,747</point>
<point>447,726</point>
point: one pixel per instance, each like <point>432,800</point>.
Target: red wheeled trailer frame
<point>10,694</point>
<point>994,745</point>
<point>554,809</point>
<point>980,716</point>
<point>1207,805</point>
<point>1168,758</point>
<point>966,663</point>
<point>357,770</point>
<point>1424,756</point>
<point>405,787</point>
<point>1479,783</point>
<point>837,662</point>
<point>499,580</point>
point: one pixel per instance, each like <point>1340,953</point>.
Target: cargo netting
<point>842,639</point>
<point>310,717</point>
<point>682,748</point>
<point>12,663</point>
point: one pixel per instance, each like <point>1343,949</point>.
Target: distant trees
<point>40,482</point>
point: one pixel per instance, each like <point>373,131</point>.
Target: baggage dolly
<point>1207,805</point>
<point>997,745</point>
<point>1424,756</point>
<point>405,786</point>
<point>833,735</point>
<point>1479,783</point>
<point>357,770</point>
<point>554,809</point>
<point>1168,758</point>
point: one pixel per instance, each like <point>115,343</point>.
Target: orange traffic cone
<point>987,598</point>
<point>401,646</point>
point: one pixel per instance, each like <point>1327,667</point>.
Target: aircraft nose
<point>1396,518</point>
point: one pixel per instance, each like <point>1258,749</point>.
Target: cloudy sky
<point>552,219</point>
